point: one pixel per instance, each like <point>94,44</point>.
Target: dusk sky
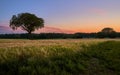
<point>74,15</point>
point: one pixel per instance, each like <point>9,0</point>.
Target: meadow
<point>60,57</point>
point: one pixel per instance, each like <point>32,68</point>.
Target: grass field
<point>60,57</point>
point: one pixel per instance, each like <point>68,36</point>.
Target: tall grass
<point>60,57</point>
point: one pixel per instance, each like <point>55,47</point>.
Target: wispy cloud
<point>7,30</point>
<point>98,11</point>
<point>53,30</point>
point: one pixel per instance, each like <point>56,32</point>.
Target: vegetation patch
<point>96,59</point>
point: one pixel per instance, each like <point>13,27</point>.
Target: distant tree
<point>27,22</point>
<point>107,33</point>
<point>107,30</point>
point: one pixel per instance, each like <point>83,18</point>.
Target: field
<point>60,57</point>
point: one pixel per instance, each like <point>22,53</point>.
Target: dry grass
<point>59,57</point>
<point>5,43</point>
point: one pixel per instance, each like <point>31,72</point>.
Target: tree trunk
<point>29,35</point>
<point>29,32</point>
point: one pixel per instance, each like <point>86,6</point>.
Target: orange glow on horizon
<point>91,29</point>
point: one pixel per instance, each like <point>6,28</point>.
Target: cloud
<point>98,11</point>
<point>53,30</point>
<point>8,30</point>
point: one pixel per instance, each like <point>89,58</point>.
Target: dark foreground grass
<point>98,59</point>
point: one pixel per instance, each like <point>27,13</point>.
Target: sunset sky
<point>73,15</point>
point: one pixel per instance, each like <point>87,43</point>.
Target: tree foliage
<point>27,22</point>
<point>60,36</point>
<point>107,30</point>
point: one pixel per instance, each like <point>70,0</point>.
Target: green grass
<point>59,57</point>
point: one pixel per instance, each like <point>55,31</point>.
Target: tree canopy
<point>27,22</point>
<point>107,30</point>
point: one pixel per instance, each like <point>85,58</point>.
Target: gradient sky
<point>75,15</point>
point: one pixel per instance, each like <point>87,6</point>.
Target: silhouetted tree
<point>108,30</point>
<point>107,33</point>
<point>27,22</point>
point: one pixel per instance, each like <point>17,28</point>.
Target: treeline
<point>60,35</point>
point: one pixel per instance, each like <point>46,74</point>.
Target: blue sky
<point>66,14</point>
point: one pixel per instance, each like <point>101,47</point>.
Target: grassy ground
<point>60,57</point>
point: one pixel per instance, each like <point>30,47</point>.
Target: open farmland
<point>60,57</point>
<point>5,43</point>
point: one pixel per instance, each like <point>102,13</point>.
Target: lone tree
<point>107,33</point>
<point>107,30</point>
<point>27,22</point>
